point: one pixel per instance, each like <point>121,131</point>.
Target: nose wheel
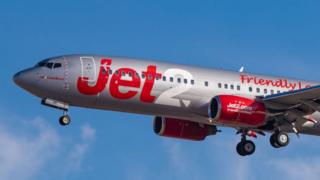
<point>65,119</point>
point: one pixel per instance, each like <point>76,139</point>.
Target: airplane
<point>188,103</point>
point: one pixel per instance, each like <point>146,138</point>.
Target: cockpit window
<point>57,65</point>
<point>41,64</point>
<point>49,65</point>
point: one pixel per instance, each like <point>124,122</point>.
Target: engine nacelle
<point>236,110</point>
<point>183,129</point>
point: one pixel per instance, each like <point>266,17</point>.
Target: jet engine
<point>183,129</point>
<point>236,110</point>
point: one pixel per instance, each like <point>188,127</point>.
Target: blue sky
<point>268,37</point>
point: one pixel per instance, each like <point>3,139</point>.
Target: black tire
<point>246,148</point>
<point>273,141</point>
<point>240,149</point>
<point>249,147</point>
<point>64,120</point>
<point>282,139</point>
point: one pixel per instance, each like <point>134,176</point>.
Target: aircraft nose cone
<point>17,78</point>
<point>24,79</point>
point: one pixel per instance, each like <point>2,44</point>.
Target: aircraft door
<point>89,71</point>
<point>89,77</point>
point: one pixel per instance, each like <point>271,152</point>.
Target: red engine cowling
<point>183,129</point>
<point>236,110</point>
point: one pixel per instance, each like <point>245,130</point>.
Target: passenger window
<point>232,86</point>
<point>110,71</point>
<point>123,73</point>
<point>179,80</point>
<point>238,88</point>
<point>219,85</point>
<point>171,79</point>
<point>143,76</point>
<point>265,91</point>
<point>185,81</point>
<point>272,91</point>
<point>206,83</point>
<point>164,78</point>
<point>258,90</point>
<point>250,89</point>
<point>278,92</point>
<point>226,86</point>
<point>130,74</point>
<point>157,77</point>
<point>104,71</point>
<point>192,81</point>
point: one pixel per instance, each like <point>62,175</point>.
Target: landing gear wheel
<point>249,147</point>
<point>282,139</point>
<point>64,120</point>
<point>245,148</point>
<point>279,139</point>
<point>273,142</point>
<point>240,150</point>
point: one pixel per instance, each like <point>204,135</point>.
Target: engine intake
<point>183,129</point>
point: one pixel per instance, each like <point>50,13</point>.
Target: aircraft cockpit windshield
<point>50,65</point>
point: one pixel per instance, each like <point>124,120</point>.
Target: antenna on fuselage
<point>241,69</point>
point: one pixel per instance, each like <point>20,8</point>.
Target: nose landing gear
<point>63,120</point>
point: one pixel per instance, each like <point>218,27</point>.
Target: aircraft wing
<point>293,108</point>
<point>309,98</point>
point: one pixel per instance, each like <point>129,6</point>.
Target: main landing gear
<point>279,139</point>
<point>245,147</point>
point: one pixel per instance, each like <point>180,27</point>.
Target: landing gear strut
<point>279,139</point>
<point>245,147</point>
